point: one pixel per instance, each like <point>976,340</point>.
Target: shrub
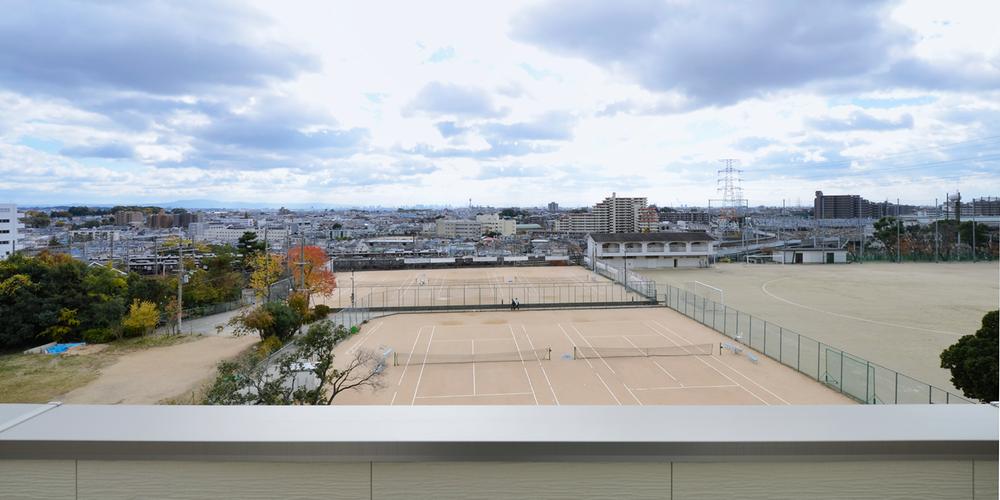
<point>319,311</point>
<point>268,346</point>
<point>99,335</point>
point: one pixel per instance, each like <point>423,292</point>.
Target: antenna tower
<point>730,185</point>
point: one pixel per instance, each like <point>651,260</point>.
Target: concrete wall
<point>874,479</point>
<point>659,262</point>
<point>811,257</point>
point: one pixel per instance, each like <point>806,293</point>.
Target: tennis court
<point>430,288</point>
<point>644,356</point>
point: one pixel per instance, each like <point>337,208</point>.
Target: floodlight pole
<point>936,229</point>
<point>898,223</point>
<point>973,230</point>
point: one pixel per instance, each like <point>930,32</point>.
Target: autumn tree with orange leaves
<point>318,278</point>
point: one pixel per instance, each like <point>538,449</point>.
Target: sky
<point>501,103</point>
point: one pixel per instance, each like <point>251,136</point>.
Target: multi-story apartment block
<point>493,223</point>
<point>459,228</point>
<point>128,217</point>
<point>8,229</point>
<point>613,215</point>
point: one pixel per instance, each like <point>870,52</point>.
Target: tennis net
<point>583,352</point>
<point>422,358</point>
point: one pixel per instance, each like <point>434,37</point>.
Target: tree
<point>266,270</point>
<point>273,319</point>
<point>973,361</point>
<point>306,376</point>
<point>318,278</point>
<point>248,247</point>
<point>142,317</point>
<point>65,327</point>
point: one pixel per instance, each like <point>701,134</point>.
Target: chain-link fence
<point>847,373</point>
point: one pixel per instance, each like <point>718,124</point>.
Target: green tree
<point>253,380</point>
<point>142,317</point>
<point>248,247</point>
<point>273,319</point>
<point>973,361</point>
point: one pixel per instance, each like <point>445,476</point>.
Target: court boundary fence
<point>849,374</point>
<point>628,279</point>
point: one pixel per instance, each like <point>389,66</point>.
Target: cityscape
<point>530,249</point>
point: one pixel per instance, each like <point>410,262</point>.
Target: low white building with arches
<point>652,250</point>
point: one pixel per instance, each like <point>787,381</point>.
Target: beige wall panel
<point>108,480</point>
<point>986,479</point>
<point>909,480</point>
<point>37,479</point>
<point>489,480</point>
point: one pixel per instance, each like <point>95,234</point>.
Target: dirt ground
<point>898,315</point>
<point>156,374</point>
<point>475,286</point>
<point>538,367</point>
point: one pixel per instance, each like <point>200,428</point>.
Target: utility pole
<point>156,255</point>
<point>180,283</point>
<point>936,229</point>
<point>973,230</point>
<point>898,223</point>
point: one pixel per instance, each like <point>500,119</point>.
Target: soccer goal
<point>705,290</point>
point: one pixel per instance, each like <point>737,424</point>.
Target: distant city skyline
<point>506,103</point>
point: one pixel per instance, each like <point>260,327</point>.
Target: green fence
<point>847,373</point>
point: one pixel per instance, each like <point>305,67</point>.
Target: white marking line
<point>523,365</point>
<point>419,377</point>
<point>592,347</point>
<point>466,340</point>
<point>473,366</point>
<point>664,370</point>
<point>412,348</point>
<point>364,338</point>
<point>636,398</point>
<point>475,395</point>
<point>616,336</point>
<point>599,377</point>
<point>393,398</point>
<point>547,381</point>
<point>764,289</point>
<point>673,387</point>
<point>731,367</point>
<point>727,377</point>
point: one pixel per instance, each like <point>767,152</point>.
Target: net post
<point>548,354</point>
<point>574,353</point>
<point>395,358</point>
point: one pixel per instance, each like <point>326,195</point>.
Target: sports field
<point>635,356</point>
<point>899,315</point>
<point>475,286</point>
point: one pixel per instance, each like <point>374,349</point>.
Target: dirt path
<point>149,376</point>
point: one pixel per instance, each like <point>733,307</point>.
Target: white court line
<point>664,370</point>
<point>673,387</point>
<point>474,395</point>
<point>547,381</point>
<point>406,366</point>
<point>364,339</point>
<point>599,377</point>
<point>421,376</point>
<point>708,365</point>
<point>616,336</point>
<point>636,398</point>
<point>466,340</point>
<point>523,365</point>
<point>473,367</point>
<point>727,365</point>
<point>764,289</point>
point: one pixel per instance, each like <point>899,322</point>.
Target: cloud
<point>717,54</point>
<point>442,54</point>
<point>450,129</point>
<point>550,126</point>
<point>438,98</point>
<point>511,171</point>
<point>859,120</point>
<point>753,143</point>
<point>152,47</point>
<point>113,150</point>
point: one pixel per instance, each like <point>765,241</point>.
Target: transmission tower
<point>730,186</point>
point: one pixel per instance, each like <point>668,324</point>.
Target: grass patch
<point>40,378</point>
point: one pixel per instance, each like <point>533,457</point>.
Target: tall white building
<point>613,215</point>
<point>8,229</point>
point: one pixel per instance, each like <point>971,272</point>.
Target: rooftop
<point>658,236</point>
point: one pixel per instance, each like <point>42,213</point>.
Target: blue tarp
<point>61,348</point>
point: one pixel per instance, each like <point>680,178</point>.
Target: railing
<point>847,373</point>
<point>630,280</point>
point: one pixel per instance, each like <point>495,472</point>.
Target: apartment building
<point>128,217</point>
<point>613,215</point>
<point>493,223</point>
<point>8,229</point>
<point>458,228</point>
